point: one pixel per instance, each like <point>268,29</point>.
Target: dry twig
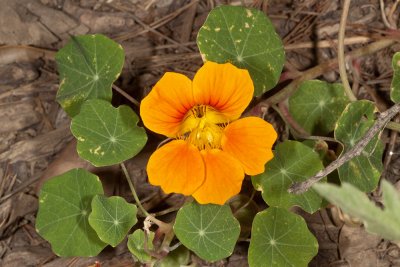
<point>382,120</point>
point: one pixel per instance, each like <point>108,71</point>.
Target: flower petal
<point>164,108</point>
<point>177,167</point>
<point>225,87</point>
<point>224,176</point>
<point>250,141</point>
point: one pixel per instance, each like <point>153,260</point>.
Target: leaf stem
<point>342,62</point>
<point>124,94</point>
<point>135,196</point>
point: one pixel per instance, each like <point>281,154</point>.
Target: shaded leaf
<point>280,238</point>
<point>112,218</point>
<point>362,171</point>
<point>292,162</point>
<point>64,207</point>
<point>246,38</point>
<point>317,105</point>
<point>88,66</point>
<point>177,257</point>
<point>136,245</point>
<point>210,231</point>
<point>395,86</point>
<point>356,203</point>
<point>107,135</point>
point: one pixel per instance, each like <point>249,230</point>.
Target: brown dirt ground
<point>159,36</point>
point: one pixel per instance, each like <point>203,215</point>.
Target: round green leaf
<point>62,219</point>
<point>280,238</point>
<point>107,135</point>
<point>210,231</point>
<point>112,218</point>
<point>395,86</point>
<point>136,245</point>
<point>365,170</point>
<point>292,162</point>
<point>88,66</point>
<point>316,106</point>
<point>246,38</point>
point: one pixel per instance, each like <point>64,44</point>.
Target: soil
<point>160,36</point>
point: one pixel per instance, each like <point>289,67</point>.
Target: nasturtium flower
<point>211,148</point>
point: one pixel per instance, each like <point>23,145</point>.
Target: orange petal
<point>177,167</point>
<point>164,108</point>
<point>224,176</point>
<point>250,141</point>
<point>224,87</point>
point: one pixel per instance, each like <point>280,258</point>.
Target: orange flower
<point>212,148</point>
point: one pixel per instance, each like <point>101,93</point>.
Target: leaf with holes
<point>107,135</point>
<point>280,238</point>
<point>210,231</point>
<point>316,106</point>
<point>292,162</point>
<point>246,38</point>
<point>88,66</point>
<point>112,218</point>
<point>64,207</point>
<point>395,86</point>
<point>356,203</point>
<point>137,247</point>
<point>362,171</point>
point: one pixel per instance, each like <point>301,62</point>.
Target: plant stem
<point>342,62</point>
<point>135,196</point>
<point>124,94</point>
<point>382,120</point>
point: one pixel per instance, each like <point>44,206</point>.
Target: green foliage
<point>177,257</point>
<point>362,171</point>
<point>317,105</point>
<point>292,162</point>
<point>64,207</point>
<point>136,245</point>
<point>395,86</point>
<point>354,202</point>
<point>112,218</point>
<point>107,135</point>
<point>88,66</point>
<point>280,238</point>
<point>246,38</point>
<point>210,231</point>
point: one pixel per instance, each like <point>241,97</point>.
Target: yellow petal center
<point>203,127</point>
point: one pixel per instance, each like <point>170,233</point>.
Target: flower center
<point>202,127</point>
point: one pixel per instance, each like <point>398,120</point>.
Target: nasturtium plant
<point>246,38</point>
<point>209,149</point>
<point>112,218</point>
<point>88,66</point>
<point>136,245</point>
<point>354,202</point>
<point>280,238</point>
<point>62,219</point>
<point>292,162</point>
<point>365,170</point>
<point>317,105</point>
<point>210,230</point>
<point>107,135</point>
<point>395,86</point>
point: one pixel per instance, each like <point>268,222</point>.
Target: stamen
<point>203,127</point>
